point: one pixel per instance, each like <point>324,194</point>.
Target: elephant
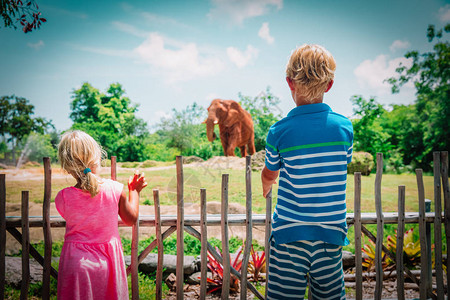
<point>235,126</point>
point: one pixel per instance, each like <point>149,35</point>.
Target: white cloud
<point>237,11</point>
<point>177,61</point>
<point>372,73</point>
<point>36,46</point>
<point>399,45</point>
<point>127,28</point>
<point>444,13</point>
<point>264,33</point>
<point>103,51</point>
<point>241,59</point>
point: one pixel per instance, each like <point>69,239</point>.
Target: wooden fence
<point>180,224</point>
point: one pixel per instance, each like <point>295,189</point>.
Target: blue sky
<point>169,54</point>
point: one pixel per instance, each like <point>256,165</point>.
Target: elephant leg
<point>251,146</point>
<point>243,151</point>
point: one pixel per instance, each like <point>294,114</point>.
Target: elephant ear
<point>234,114</point>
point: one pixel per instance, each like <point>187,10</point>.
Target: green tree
<point>430,73</point>
<point>24,12</point>
<point>369,135</point>
<point>110,118</point>
<point>18,122</point>
<point>264,111</point>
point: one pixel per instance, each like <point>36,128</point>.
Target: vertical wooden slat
<point>204,242</point>
<point>380,227</point>
<point>180,229</point>
<point>159,241</point>
<point>134,261</point>
<point>438,225</point>
<point>46,228</point>
<point>446,193</point>
<point>225,248</point>
<point>400,241</point>
<point>428,238</point>
<point>2,234</point>
<point>113,168</point>
<point>267,236</point>
<point>248,224</point>
<point>25,247</point>
<point>358,244</point>
<point>422,235</point>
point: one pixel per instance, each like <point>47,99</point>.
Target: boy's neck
<point>299,101</point>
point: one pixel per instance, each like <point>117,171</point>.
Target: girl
<point>92,264</point>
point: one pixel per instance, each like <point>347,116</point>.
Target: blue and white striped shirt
<point>311,147</point>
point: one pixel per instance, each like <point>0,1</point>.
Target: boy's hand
<point>137,182</point>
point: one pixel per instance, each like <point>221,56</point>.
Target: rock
<point>149,264</point>
<point>195,278</point>
<point>191,159</point>
<point>171,281</point>
<point>348,259</point>
<point>13,271</point>
<point>258,160</point>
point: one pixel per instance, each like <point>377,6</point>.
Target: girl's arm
<point>129,208</point>
<point>268,178</point>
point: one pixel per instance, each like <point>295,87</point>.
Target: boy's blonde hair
<point>78,151</point>
<point>311,67</point>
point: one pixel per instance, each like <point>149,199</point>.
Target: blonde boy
<point>310,150</point>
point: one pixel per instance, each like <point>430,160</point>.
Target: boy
<point>312,147</point>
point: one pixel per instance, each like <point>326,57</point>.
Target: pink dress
<point>91,264</point>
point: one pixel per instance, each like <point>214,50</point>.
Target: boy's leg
<point>288,266</point>
<point>327,275</point>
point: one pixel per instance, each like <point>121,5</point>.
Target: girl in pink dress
<point>91,265</point>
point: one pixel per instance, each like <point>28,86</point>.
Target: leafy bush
<point>130,165</point>
<point>148,164</point>
<point>361,162</point>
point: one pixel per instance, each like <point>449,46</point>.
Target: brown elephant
<point>235,126</point>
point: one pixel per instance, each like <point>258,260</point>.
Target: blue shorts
<point>289,265</point>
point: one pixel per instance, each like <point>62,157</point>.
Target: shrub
<point>130,165</point>
<point>149,164</point>
<point>361,162</point>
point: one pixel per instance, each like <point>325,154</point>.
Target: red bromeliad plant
<point>257,264</point>
<point>216,268</point>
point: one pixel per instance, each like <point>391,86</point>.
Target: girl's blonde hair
<point>78,152</point>
<point>311,67</point>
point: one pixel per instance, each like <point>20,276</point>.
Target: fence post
<point>267,236</point>
<point>134,261</point>
<point>438,225</point>
<point>204,242</point>
<point>25,247</point>
<point>225,250</point>
<point>180,229</point>
<point>113,168</point>
<point>159,241</point>
<point>422,234</point>
<point>400,241</point>
<point>446,193</point>
<point>428,236</point>
<point>248,224</point>
<point>380,227</point>
<point>358,246</point>
<point>2,235</point>
<point>46,228</point>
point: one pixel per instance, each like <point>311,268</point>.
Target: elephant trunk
<point>210,129</point>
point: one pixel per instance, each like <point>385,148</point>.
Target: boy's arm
<point>268,178</point>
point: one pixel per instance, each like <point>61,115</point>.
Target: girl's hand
<point>137,182</point>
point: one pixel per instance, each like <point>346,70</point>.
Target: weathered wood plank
<point>268,223</point>
<point>134,261</point>
<point>2,235</point>
<point>358,244</point>
<point>225,247</point>
<point>25,247</point>
<point>180,228</point>
<point>47,229</point>
<point>113,167</point>
<point>248,226</point>
<point>446,193</point>
<point>159,242</point>
<point>422,236</point>
<point>400,241</point>
<point>204,243</point>
<point>438,226</point>
<point>380,228</point>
